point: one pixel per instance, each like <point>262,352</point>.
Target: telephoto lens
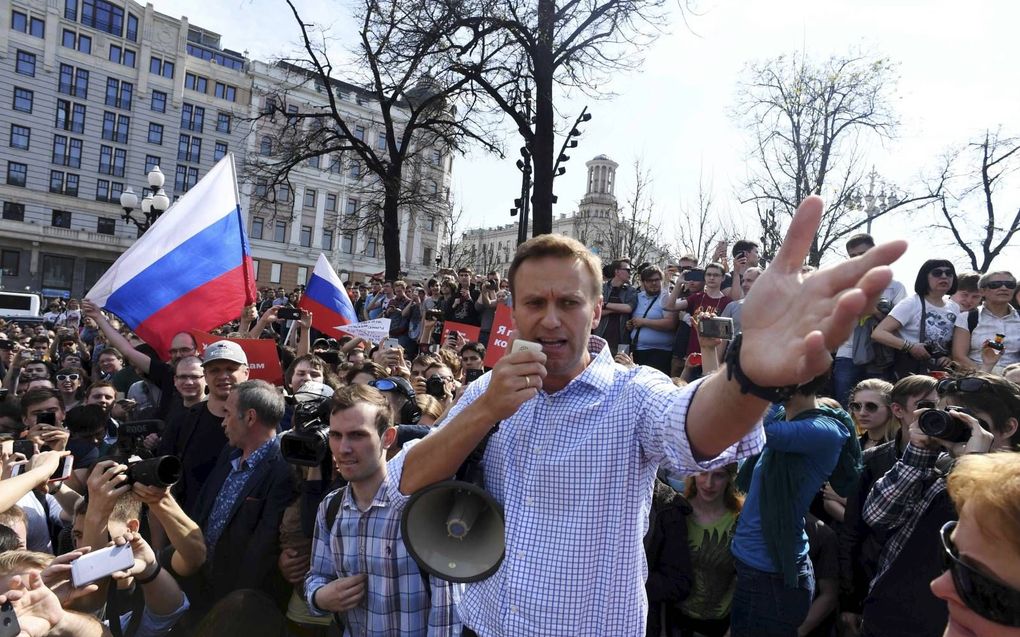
<point>163,471</point>
<point>941,424</point>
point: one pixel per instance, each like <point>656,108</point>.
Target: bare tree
<point>456,252</point>
<point>964,194</point>
<point>698,229</point>
<point>810,123</point>
<point>508,48</point>
<point>422,110</point>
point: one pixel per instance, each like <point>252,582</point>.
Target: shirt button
<point>538,450</point>
<point>529,501</point>
<point>520,555</point>
<point>513,609</point>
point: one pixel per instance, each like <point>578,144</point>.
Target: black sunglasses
<point>992,600</point>
<point>995,285</point>
<point>869,407</point>
<point>942,272</point>
<point>961,386</point>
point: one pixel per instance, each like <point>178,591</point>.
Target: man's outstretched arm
<point>790,324</point>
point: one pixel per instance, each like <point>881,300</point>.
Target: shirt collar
<point>253,460</point>
<point>600,370</point>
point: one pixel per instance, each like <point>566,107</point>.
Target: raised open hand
<point>791,323</point>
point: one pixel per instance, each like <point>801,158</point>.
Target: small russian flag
<point>327,300</point>
<point>192,269</point>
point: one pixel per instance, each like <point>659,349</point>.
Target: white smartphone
<point>623,348</point>
<point>390,343</point>
<point>63,471</point>
<point>521,345</point>
<point>102,563</point>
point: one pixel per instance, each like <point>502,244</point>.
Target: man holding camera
<point>977,414</point>
<point>618,299</point>
<point>651,327</point>
<point>580,438</point>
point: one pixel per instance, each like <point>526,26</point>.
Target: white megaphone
<point>455,529</point>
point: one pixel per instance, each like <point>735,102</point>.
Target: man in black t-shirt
<point>198,439</point>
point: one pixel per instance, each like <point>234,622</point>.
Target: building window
<point>94,270</point>
<point>132,28</point>
<point>223,122</point>
<point>116,127</point>
<point>17,174</point>
<point>26,63</point>
<point>63,184</point>
<point>23,99</point>
<point>352,206</point>
<point>155,133</point>
<point>359,132</point>
<point>330,202</point>
<point>61,219</point>
<point>185,178</point>
<point>122,55</point>
<point>302,275</point>
<point>309,198</point>
<point>335,164</point>
<point>313,162</point>
<point>427,257</point>
<point>14,211</point>
<point>78,41</point>
<point>57,272</point>
<point>430,223</point>
<point>283,193</point>
<point>104,16</point>
<point>381,143</point>
<point>112,160</point>
<point>189,148</point>
<point>192,117</point>
<point>266,146</point>
<point>196,83</point>
<point>257,225</point>
<point>220,151</point>
<point>274,273</point>
<point>347,244</point>
<point>70,116</point>
<point>9,261</point>
<point>21,136</point>
<point>225,92</point>
<point>119,93</point>
<point>71,10</point>
<point>158,102</point>
<point>106,225</point>
<point>159,66</point>
<point>255,268</point>
<point>370,247</point>
<point>437,158</point>
<point>151,161</point>
<point>280,232</point>
<point>327,239</point>
<point>32,26</point>
<point>355,172</point>
<point>261,188</point>
<point>67,151</point>
<point>306,236</point>
<point>73,81</point>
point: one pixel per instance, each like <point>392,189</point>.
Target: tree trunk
<point>545,134</point>
<point>391,224</point>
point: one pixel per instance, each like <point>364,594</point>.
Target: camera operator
<point>441,384</point>
<point>618,300</point>
<point>472,359</point>
<point>991,332</point>
<point>910,502</point>
<point>112,512</point>
<point>486,305</point>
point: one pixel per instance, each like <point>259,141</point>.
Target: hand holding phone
<point>102,563</point>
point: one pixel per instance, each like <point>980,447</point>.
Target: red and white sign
<point>469,332</point>
<point>502,325</point>
<point>263,361</point>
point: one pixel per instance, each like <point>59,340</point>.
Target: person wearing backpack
<point>988,336</point>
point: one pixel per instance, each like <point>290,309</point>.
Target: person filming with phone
<point>651,326</point>
<point>579,437</point>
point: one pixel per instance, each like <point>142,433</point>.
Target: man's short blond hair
<point>559,247</point>
<point>12,562</point>
<point>990,482</point>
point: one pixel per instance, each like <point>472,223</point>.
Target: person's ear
<point>133,525</point>
<point>898,411</point>
<point>1011,427</point>
<point>389,437</point>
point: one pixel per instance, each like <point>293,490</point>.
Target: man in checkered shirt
<point>580,437</point>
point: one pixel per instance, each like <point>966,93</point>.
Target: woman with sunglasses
<point>870,408</point>
<point>989,336</point>
<point>981,585</point>
<point>920,327</point>
<point>69,384</point>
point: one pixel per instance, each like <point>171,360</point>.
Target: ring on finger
<point>527,382</point>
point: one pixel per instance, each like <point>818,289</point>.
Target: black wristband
<point>748,386</point>
<point>149,579</point>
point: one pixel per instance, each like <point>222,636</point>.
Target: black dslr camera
<point>142,467</point>
<point>307,444</point>
<point>940,424</point>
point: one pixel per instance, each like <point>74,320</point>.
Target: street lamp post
<point>153,204</point>
<point>874,205</point>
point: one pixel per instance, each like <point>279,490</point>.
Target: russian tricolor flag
<point>192,269</point>
<point>327,300</point>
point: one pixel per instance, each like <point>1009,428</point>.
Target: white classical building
<point>597,223</point>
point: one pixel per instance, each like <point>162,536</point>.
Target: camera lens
<point>940,424</point>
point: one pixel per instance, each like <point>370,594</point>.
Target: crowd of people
<point>838,460</point>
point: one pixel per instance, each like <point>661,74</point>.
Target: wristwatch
<point>748,386</point>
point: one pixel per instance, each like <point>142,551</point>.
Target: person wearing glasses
<point>981,585</point>
<point>651,326</point>
<point>988,336</point>
<point>920,327</point>
<point>69,383</point>
<point>618,298</point>
<point>910,503</point>
<point>870,408</point>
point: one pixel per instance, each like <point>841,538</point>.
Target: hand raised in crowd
<point>306,319</point>
<point>57,577</point>
<point>145,558</point>
<point>38,608</point>
<point>809,317</point>
<point>91,310</point>
<point>515,380</point>
<point>47,461</point>
<point>294,565</point>
<point>150,495</point>
<point>342,594</point>
<point>106,483</point>
<point>990,356</point>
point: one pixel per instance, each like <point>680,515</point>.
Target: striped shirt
<point>396,600</point>
<point>574,472</point>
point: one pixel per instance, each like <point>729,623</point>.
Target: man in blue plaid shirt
<point>361,569</point>
<point>580,437</point>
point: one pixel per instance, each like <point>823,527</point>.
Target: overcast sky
<point>958,75</point>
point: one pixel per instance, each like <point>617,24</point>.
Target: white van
<point>19,305</point>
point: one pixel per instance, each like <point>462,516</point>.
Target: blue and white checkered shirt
<point>396,601</point>
<point>574,472</point>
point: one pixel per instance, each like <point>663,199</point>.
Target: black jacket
<point>246,553</point>
<point>669,557</point>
